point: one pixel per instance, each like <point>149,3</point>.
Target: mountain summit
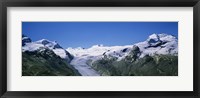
<point>155,44</point>
<point>44,44</point>
<point>159,44</point>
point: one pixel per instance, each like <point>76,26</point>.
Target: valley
<point>156,56</point>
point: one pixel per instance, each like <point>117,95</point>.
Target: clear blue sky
<point>86,34</point>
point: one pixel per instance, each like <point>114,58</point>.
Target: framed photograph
<point>99,48</point>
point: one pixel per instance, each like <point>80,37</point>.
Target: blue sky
<point>86,34</point>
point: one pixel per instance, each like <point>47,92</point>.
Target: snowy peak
<point>49,44</point>
<point>154,40</point>
<point>167,38</point>
<point>155,44</point>
<point>43,41</point>
<point>159,44</point>
<point>154,37</point>
<point>161,37</point>
<point>44,44</point>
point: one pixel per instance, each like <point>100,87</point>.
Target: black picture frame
<point>98,3</point>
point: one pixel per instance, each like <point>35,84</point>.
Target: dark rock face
<point>154,43</point>
<point>54,45</point>
<point>57,46</point>
<point>154,40</point>
<point>44,42</point>
<point>135,52</point>
<point>25,40</point>
<point>124,50</point>
<point>70,57</point>
<point>136,48</point>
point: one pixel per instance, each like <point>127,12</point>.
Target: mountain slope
<point>132,65</point>
<point>45,58</point>
<point>44,43</point>
<point>45,63</point>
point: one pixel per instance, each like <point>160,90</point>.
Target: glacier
<point>155,44</point>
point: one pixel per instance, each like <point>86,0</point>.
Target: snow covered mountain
<point>96,52</point>
<point>28,45</point>
<point>85,61</point>
<point>159,44</point>
<point>155,44</point>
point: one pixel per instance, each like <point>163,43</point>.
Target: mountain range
<point>158,55</point>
